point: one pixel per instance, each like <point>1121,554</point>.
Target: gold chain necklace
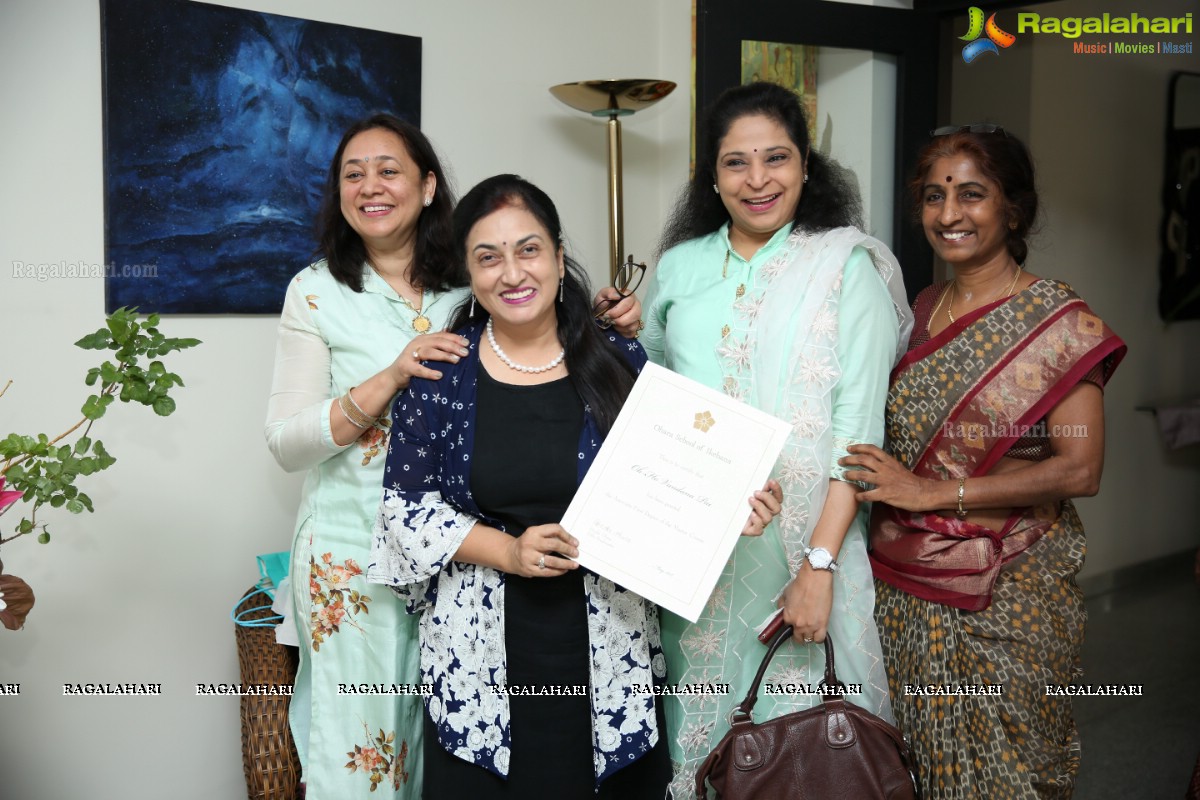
<point>954,285</point>
<point>421,323</point>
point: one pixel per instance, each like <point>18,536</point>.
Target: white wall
<point>1096,127</point>
<point>141,591</point>
<point>856,89</point>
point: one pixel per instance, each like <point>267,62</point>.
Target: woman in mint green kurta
<point>769,293</point>
<point>351,633</point>
<point>349,327</point>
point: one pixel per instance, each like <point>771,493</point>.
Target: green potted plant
<point>37,471</point>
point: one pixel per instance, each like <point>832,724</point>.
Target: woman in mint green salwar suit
<point>768,291</point>
<point>347,336</point>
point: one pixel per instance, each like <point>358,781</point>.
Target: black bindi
<point>948,179</point>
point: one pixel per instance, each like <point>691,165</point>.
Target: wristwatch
<point>820,558</point>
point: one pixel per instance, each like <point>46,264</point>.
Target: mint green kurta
<point>690,310</point>
<point>353,635</point>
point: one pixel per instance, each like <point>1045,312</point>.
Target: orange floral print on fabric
<point>374,440</point>
<point>333,601</point>
<point>379,759</point>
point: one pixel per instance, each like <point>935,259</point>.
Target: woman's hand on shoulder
<point>890,482</point>
<point>543,551</point>
<point>441,346</point>
<point>765,505</point>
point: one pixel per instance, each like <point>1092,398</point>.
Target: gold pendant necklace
<point>421,323</point>
<point>954,285</point>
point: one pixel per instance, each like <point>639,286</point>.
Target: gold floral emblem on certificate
<point>704,421</point>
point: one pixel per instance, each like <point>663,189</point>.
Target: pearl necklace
<point>500,354</point>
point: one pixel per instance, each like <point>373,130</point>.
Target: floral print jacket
<point>426,512</point>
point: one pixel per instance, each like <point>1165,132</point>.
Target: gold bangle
<point>962,485</point>
<point>349,413</point>
<point>357,417</point>
<point>361,414</point>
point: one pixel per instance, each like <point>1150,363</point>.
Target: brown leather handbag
<point>829,752</point>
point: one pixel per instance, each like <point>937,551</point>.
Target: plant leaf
<point>163,406</point>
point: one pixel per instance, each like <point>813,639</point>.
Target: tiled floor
<point>1147,634</point>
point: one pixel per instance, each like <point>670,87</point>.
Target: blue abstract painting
<point>219,124</point>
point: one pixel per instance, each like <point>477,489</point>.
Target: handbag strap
<point>830,680</point>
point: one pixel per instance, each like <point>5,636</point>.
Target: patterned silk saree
<point>960,606</point>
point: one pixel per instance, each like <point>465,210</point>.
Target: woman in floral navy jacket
<point>482,463</point>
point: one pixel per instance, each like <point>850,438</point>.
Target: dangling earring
<point>715,189</point>
<point>471,315</point>
<point>560,290</point>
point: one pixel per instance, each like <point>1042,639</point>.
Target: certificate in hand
<point>663,505</point>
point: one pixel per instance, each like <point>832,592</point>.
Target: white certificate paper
<point>663,505</point>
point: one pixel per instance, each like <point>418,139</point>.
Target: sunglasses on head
<point>979,127</point>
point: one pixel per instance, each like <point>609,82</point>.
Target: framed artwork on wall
<point>792,66</point>
<point>1179,265</point>
<point>219,124</point>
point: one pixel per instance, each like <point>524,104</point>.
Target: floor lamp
<point>613,99</point>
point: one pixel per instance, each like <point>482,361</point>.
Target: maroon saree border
<point>980,562</point>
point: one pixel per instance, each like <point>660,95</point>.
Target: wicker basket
<point>268,752</point>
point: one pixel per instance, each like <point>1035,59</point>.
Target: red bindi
<point>948,179</point>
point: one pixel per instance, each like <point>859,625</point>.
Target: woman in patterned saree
<point>770,293</point>
<point>384,289</point>
<point>994,421</point>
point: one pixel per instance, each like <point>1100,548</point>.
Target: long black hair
<point>830,197</point>
<point>600,375</point>
<point>433,264</point>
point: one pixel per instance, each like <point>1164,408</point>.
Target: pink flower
<point>339,577</point>
<point>7,498</point>
<point>367,759</point>
<point>372,437</point>
<point>330,617</point>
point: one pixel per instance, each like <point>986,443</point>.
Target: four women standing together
<point>770,292</point>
